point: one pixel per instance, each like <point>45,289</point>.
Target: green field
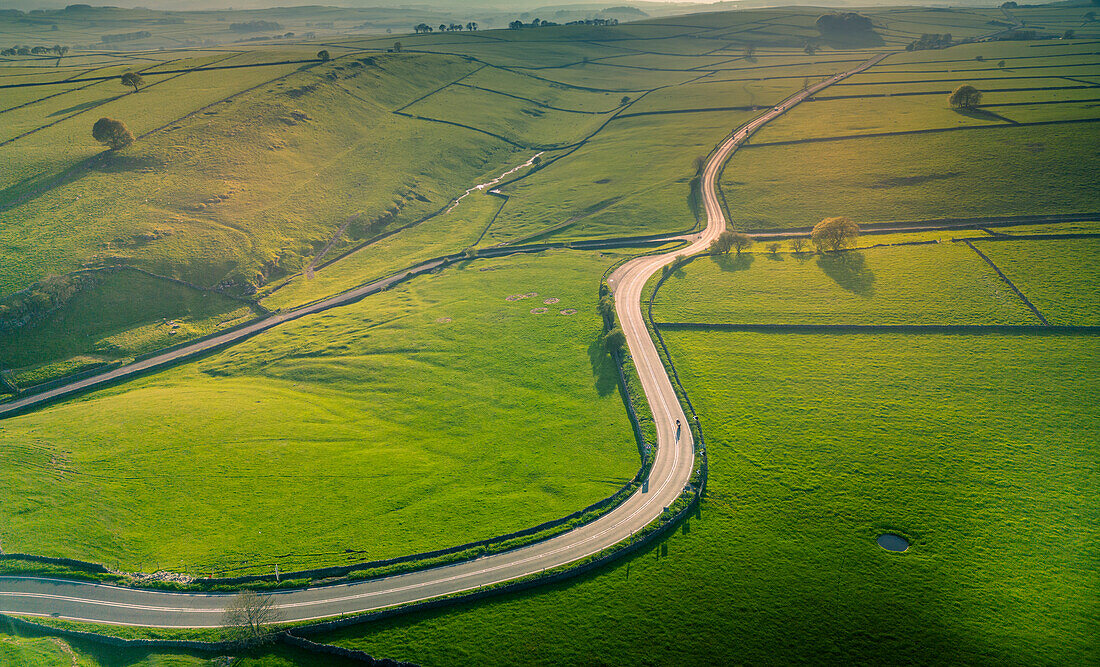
<point>937,284</point>
<point>818,443</point>
<point>114,315</point>
<point>378,427</point>
<point>1007,171</point>
<point>1059,277</point>
<point>478,400</point>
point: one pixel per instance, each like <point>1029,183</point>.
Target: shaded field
<point>1007,171</point>
<point>400,424</point>
<point>978,450</point>
<point>927,284</point>
<point>113,315</point>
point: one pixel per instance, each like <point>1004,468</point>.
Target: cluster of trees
<point>255,26</point>
<point>1018,35</point>
<point>125,36</point>
<point>536,23</point>
<point>965,97</point>
<point>595,21</point>
<point>829,235</point>
<point>929,41</point>
<point>56,50</point>
<point>843,23</point>
<point>444,27</point>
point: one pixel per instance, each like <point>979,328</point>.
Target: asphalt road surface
<point>670,474</point>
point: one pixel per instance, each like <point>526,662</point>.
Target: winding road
<point>670,474</point>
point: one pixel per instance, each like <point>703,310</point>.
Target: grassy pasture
<point>1035,84</point>
<point>979,449</point>
<point>437,236</point>
<point>576,195</point>
<point>618,79</point>
<point>252,190</point>
<point>711,93</point>
<point>519,121</point>
<point>117,315</point>
<point>833,118</point>
<point>1006,171</point>
<point>379,427</point>
<point>1060,277</point>
<point>555,95</point>
<point>161,102</point>
<point>928,284</point>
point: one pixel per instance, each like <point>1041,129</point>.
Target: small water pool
<point>892,542</point>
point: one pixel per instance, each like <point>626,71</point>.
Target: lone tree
<point>112,133</point>
<point>798,244</point>
<point>773,248</point>
<point>834,233</point>
<point>965,97</point>
<point>614,340</point>
<point>248,617</point>
<point>324,56</point>
<point>397,47</point>
<point>132,79</point>
<point>623,102</point>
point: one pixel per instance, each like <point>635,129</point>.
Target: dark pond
<point>892,542</point>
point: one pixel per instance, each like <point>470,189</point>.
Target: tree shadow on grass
<point>850,271</point>
<point>85,106</point>
<point>734,262</point>
<point>603,367</point>
<point>984,114</point>
<point>106,162</point>
<point>111,162</point>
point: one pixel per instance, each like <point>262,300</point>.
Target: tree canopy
<point>112,133</point>
<point>132,79</point>
<point>834,233</point>
<point>965,97</point>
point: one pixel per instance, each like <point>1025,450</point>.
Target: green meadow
<point>478,400</point>
<point>433,414</point>
<point>980,450</point>
<point>1059,277</point>
<point>1007,171</point>
<point>941,284</point>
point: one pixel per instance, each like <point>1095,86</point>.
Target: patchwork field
<point>926,284</point>
<point>478,399</point>
<point>978,449</point>
<point>1007,171</point>
<point>1059,277</point>
<point>377,427</point>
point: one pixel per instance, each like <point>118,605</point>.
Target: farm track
<point>670,472</point>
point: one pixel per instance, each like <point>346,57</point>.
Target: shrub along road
<point>668,477</point>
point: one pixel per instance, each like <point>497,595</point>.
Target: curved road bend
<point>671,471</point>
